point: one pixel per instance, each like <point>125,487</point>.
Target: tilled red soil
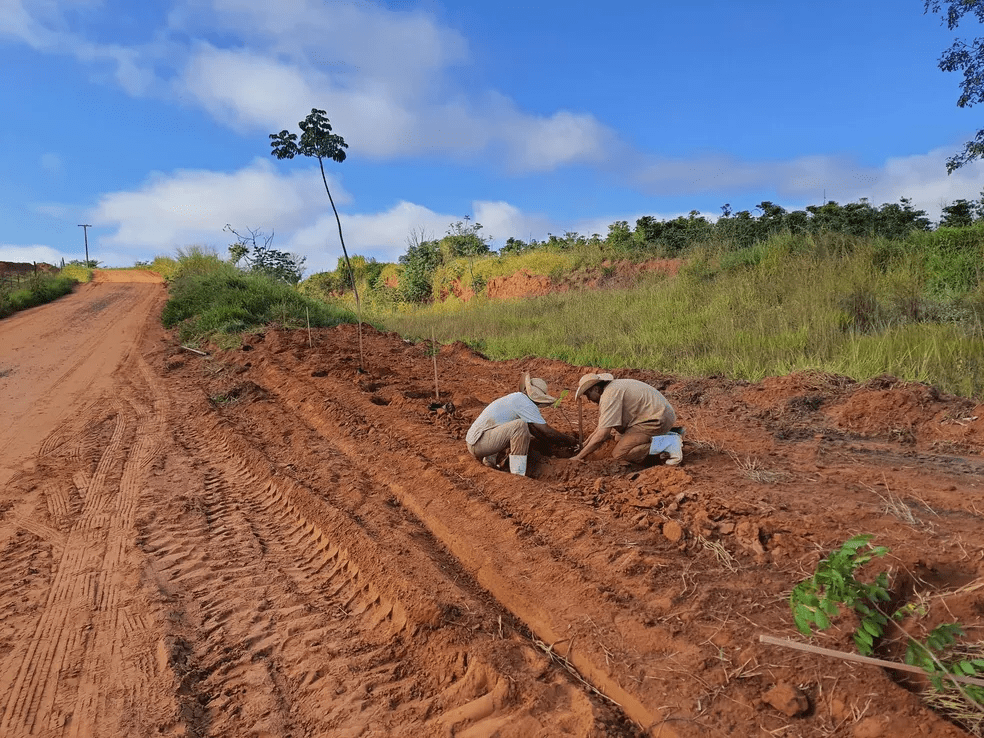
<point>269,541</point>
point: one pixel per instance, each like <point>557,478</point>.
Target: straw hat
<point>590,380</point>
<point>536,389</point>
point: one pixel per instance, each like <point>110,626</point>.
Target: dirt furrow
<point>516,568</point>
<point>351,579</point>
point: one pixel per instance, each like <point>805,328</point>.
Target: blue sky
<point>150,120</point>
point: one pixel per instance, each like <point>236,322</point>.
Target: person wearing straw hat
<point>511,422</point>
<point>635,414</point>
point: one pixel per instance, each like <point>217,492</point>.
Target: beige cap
<point>536,389</point>
<point>590,380</point>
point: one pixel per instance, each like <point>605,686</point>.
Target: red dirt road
<point>268,542</point>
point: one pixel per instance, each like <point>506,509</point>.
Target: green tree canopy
<point>967,58</point>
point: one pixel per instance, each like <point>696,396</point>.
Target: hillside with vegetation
<point>849,289</point>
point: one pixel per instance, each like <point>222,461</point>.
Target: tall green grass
<point>213,300</point>
<point>841,304</point>
<point>38,290</point>
<point>166,266</point>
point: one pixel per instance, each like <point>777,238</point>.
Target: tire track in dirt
<point>283,526</point>
<point>115,627</point>
<point>72,436</point>
<point>86,626</point>
<point>492,549</point>
<point>59,633</point>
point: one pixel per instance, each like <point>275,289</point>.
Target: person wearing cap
<point>635,414</point>
<point>511,422</point>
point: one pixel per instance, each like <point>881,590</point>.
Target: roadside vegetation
<point>848,289</point>
<point>37,289</point>
<point>214,300</point>
<point>853,306</point>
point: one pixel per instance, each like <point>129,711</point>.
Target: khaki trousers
<point>515,434</point>
<point>633,445</point>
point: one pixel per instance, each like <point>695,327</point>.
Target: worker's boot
<point>670,444</point>
<point>517,465</point>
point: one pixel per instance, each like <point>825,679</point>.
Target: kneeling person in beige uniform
<point>635,413</point>
<point>512,421</point>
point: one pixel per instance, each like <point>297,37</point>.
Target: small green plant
<point>560,399</point>
<point>941,638</point>
<point>942,658</point>
<point>816,600</point>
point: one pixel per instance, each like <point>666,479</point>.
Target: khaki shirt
<point>628,402</point>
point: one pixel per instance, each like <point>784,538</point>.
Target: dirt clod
<point>787,699</point>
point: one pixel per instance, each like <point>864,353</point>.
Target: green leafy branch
<point>816,600</point>
<point>941,638</point>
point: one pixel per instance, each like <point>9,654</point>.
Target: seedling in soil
<point>942,659</point>
<point>816,600</point>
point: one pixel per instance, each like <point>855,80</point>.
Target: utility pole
<point>85,230</point>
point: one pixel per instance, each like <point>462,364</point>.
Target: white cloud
<point>410,50</point>
<point>388,75</point>
<point>500,221</point>
<point>920,177</point>
<point>36,253</point>
<point>192,207</point>
<point>923,178</point>
<point>543,144</point>
<point>244,89</point>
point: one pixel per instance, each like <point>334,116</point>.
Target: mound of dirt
<point>19,267</point>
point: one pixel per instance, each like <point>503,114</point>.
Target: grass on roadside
<point>40,289</point>
<point>857,309</point>
<point>212,300</point>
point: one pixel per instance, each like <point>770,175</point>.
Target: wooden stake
<point>580,421</point>
<point>437,392</point>
<point>785,642</point>
<point>307,311</point>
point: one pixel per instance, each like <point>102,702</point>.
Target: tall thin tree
<point>318,141</point>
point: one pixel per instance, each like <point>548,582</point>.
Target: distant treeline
<point>420,274</point>
<point>746,227</point>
